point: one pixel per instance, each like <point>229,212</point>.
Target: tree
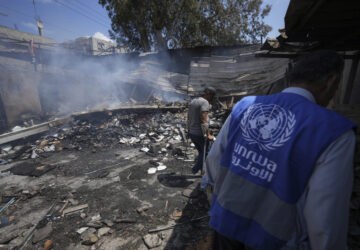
<point>145,25</point>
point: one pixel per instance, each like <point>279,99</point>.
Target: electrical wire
<point>49,23</point>
<point>80,13</point>
<point>87,8</point>
<point>37,18</point>
<point>95,11</point>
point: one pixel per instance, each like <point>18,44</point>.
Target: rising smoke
<point>73,82</point>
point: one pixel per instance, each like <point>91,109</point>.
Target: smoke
<point>72,82</point>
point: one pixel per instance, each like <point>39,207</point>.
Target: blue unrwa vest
<point>273,145</point>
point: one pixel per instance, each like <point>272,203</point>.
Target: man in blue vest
<point>282,165</point>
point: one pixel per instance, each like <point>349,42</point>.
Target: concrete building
<point>34,76</point>
<point>93,46</point>
<point>22,57</point>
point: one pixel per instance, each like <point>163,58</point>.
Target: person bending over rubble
<point>282,165</point>
<point>198,125</point>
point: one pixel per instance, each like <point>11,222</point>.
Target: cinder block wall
<point>19,94</point>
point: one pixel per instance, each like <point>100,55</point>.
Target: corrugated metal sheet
<point>236,74</point>
<point>151,74</point>
<point>232,71</point>
<point>333,24</point>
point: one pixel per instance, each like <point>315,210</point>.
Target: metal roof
<point>321,24</point>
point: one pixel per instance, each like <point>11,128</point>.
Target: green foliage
<point>145,25</point>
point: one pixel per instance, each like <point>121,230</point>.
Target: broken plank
<point>183,134</point>
<point>159,229</point>
<point>132,100</point>
<point>7,204</point>
<point>63,207</point>
<point>132,108</point>
<point>163,228</point>
<point>149,96</point>
<point>166,204</point>
<point>73,209</point>
<point>125,220</point>
<point>199,218</point>
<point>37,129</point>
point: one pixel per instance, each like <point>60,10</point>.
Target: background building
<point>94,45</point>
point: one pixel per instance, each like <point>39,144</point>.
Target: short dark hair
<point>210,90</point>
<point>315,67</point>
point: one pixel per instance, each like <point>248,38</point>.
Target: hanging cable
<point>80,13</point>
<point>37,18</point>
<point>89,10</point>
<point>48,23</point>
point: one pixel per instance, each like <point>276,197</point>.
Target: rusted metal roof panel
<point>332,23</point>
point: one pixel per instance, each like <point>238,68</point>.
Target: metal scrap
<point>7,204</point>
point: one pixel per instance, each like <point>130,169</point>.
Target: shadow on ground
<point>192,230</point>
<point>172,180</point>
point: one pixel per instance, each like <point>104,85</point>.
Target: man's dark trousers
<point>199,142</point>
<point>220,242</point>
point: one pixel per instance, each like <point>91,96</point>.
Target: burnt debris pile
<point>115,179</point>
<point>146,131</point>
<point>153,132</point>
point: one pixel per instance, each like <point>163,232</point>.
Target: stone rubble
<point>152,240</point>
<point>90,239</point>
<point>102,231</point>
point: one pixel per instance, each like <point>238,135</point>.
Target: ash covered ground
<point>86,185</point>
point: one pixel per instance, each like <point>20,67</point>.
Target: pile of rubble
<point>122,181</point>
<point>119,181</point>
<point>151,132</point>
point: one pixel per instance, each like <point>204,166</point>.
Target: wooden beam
<point>133,91</point>
<point>350,83</point>
<point>132,108</point>
<point>149,95</point>
<point>292,55</point>
<point>37,129</point>
<point>74,209</point>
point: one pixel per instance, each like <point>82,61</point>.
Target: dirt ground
<point>123,201</point>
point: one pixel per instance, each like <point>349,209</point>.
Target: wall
<point>20,75</point>
<point>19,95</point>
<point>355,91</point>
